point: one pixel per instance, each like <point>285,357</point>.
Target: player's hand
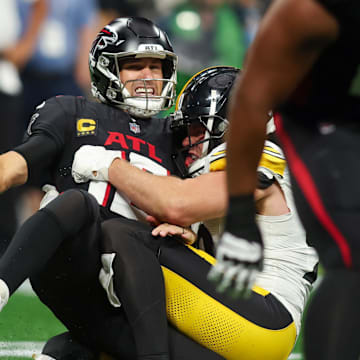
<point>165,229</point>
<point>238,263</point>
<point>50,194</point>
<point>92,163</point>
<point>239,253</point>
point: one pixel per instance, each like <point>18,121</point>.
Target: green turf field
<point>25,323</point>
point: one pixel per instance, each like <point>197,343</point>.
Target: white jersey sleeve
<point>289,262</point>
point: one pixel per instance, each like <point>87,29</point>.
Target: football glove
<point>239,254</point>
<point>92,163</point>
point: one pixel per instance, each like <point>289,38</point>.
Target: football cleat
<point>4,294</point>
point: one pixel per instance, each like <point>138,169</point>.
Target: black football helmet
<point>203,100</point>
<point>131,37</point>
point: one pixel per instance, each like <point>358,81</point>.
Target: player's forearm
<point>13,170</point>
<point>168,198</point>
<point>151,193</point>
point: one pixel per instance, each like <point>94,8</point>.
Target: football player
<point>308,72</point>
<point>133,72</point>
<point>271,317</point>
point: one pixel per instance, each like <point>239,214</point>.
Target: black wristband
<point>240,219</point>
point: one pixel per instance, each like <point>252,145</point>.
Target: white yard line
<point>25,288</point>
<point>28,348</point>
<point>295,357</point>
<point>20,348</point>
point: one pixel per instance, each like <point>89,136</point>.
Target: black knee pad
<point>72,210</point>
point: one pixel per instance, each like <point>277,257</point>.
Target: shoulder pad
<point>217,158</point>
<point>70,104</point>
<point>272,162</point>
<point>64,104</point>
<point>214,161</point>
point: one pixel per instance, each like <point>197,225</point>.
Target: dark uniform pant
<point>324,165</point>
<point>60,248</point>
<point>257,328</point>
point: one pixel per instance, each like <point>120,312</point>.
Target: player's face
<point>196,133</point>
<point>145,68</point>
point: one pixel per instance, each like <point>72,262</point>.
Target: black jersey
<point>61,125</point>
<point>331,91</point>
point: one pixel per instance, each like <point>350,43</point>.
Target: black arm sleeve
<point>38,150</point>
<point>46,136</point>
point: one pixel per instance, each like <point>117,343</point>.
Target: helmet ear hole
<point>167,68</point>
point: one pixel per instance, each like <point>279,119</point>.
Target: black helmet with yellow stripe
<point>203,101</point>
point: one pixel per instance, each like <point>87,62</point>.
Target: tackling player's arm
<point>171,199</point>
<point>185,202</point>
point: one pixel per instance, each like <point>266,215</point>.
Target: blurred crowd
<point>44,47</point>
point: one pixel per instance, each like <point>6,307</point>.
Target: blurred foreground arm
<point>286,46</point>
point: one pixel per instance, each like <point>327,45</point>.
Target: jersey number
<point>117,202</point>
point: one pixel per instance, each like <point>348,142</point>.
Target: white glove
<point>50,194</point>
<point>238,263</point>
<point>92,163</point>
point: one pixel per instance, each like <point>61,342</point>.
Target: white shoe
<point>4,294</point>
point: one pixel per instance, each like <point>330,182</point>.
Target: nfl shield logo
<point>134,127</point>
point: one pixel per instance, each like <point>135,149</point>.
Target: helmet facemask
<point>147,104</point>
<point>212,126</point>
<point>203,102</point>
